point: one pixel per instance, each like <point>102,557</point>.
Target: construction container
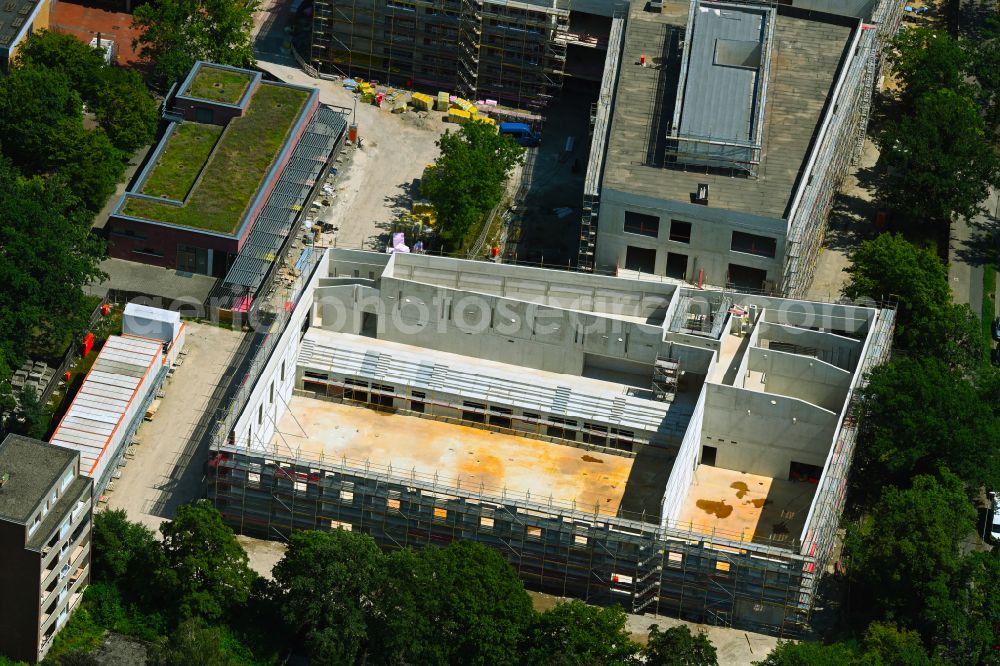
<point>422,102</point>
<point>459,116</point>
<point>464,105</point>
<point>443,101</point>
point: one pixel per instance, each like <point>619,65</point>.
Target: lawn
<point>187,149</point>
<point>218,85</point>
<point>241,160</point>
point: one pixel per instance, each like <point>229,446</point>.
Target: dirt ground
<point>154,483</point>
<point>374,182</point>
<point>263,554</point>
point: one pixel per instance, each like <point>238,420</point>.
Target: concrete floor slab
<point>173,287</point>
<point>459,455</point>
<point>744,506</point>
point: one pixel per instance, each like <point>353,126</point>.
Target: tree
<point>463,604</point>
<point>925,60</point>
<point>889,266</point>
<point>937,160</point>
<point>574,633</point>
<point>48,256</point>
<point>82,65</point>
<point>34,103</point>
<point>325,582</point>
<point>30,418</point>
<point>886,645</point>
<point>468,179</point>
<point>905,560</point>
<point>123,552</point>
<point>87,162</point>
<point>125,109</point>
<point>921,415</point>
<point>985,67</point>
<point>677,646</point>
<point>194,642</point>
<point>807,653</point>
<point>176,33</point>
<point>205,571</point>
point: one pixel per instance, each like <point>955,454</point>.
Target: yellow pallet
<point>459,116</point>
<point>422,101</point>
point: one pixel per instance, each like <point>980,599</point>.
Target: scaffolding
<point>499,49</point>
<point>666,374</point>
<point>556,547</point>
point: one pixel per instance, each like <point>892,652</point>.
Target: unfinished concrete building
<point>723,132</point>
<point>618,440</point>
<point>501,49</point>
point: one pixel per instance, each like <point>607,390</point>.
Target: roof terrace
<point>218,84</point>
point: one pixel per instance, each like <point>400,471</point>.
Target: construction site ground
<point>167,468</point>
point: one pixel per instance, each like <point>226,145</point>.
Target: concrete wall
<point>837,350</point>
<point>801,377</point>
<point>776,431</point>
<point>684,465</point>
<point>269,398</point>
<point>711,236</point>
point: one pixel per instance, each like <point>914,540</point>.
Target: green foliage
<point>34,102</point>
<point>80,634</point>
<point>926,60</point>
<point>888,267</point>
<point>30,418</point>
<point>347,567</point>
<point>677,646</point>
<point>937,161</point>
<point>886,645</point>
<point>808,654</point>
<point>87,162</point>
<point>176,33</point>
<point>984,65</point>
<point>49,255</point>
<point>124,553</point>
<point>125,110</point>
<point>922,415</point>
<point>574,634</point>
<point>468,179</point>
<point>206,571</point>
<point>905,560</point>
<point>194,642</point>
<point>82,65</point>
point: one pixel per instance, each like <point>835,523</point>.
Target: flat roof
<point>108,391</point>
<point>722,86</point>
<point>460,456</point>
<point>236,169</point>
<point>34,467</point>
<point>806,56</point>
<point>746,507</point>
<point>218,84</point>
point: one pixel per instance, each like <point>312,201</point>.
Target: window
<point>282,371</point>
<point>440,514</point>
<point>354,394</point>
<point>416,401</point>
<point>642,224</point>
<point>595,434</point>
<point>486,522</point>
<point>558,429</point>
<point>640,259</point>
<point>677,265</point>
<point>533,532</point>
<point>474,412</point>
<point>271,393</point>
<point>500,417</point>
<point>385,395</point>
<point>753,244</point>
<point>153,252</point>
<point>260,414</point>
<point>680,231</point>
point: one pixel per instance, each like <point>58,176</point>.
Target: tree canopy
<point>677,646</point>
<point>176,33</point>
<point>574,633</point>
<point>926,60</point>
<point>206,570</point>
<point>468,179</point>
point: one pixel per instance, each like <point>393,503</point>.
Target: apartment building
<point>45,525</point>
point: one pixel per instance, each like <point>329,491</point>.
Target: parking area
<point>166,469</point>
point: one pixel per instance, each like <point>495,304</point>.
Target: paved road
<point>967,253</point>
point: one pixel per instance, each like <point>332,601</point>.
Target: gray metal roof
<point>34,467</point>
<point>723,86</point>
<point>284,205</point>
<point>120,377</point>
<point>13,15</point>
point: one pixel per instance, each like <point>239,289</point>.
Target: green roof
<point>187,149</point>
<point>236,168</point>
<point>219,85</point>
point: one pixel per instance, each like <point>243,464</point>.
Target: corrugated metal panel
<point>94,419</point>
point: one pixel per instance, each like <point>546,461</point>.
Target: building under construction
<point>723,133</point>
<point>508,50</point>
<point>620,441</point>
